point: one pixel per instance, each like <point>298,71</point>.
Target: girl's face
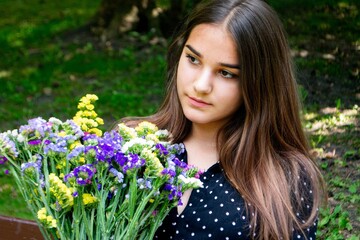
<point>208,76</point>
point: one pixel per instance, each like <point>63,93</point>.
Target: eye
<point>227,74</point>
<point>192,59</point>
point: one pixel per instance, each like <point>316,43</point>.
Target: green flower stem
<point>84,222</point>
<point>76,217</point>
<point>111,216</point>
<point>132,195</point>
<point>161,215</point>
<point>92,217</point>
<point>133,226</point>
<point>16,172</point>
<point>101,209</point>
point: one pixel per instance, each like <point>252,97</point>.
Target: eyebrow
<point>228,65</point>
<point>193,50</point>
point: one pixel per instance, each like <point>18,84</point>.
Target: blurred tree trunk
<point>118,16</point>
<point>114,17</point>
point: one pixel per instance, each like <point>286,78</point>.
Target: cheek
<point>183,73</point>
<point>232,94</point>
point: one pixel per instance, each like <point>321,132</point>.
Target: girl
<point>232,101</point>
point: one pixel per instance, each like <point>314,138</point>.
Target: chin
<point>197,119</point>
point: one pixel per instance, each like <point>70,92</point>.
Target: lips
<point>197,102</point>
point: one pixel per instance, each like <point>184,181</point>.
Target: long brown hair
<point>262,149</point>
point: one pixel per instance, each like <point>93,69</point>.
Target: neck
<point>206,135</point>
<point>201,146</point>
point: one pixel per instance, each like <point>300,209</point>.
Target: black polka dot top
<point>216,211</point>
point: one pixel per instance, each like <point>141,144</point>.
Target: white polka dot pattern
<point>216,211</point>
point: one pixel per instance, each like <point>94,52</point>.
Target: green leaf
<point>324,221</point>
<point>353,188</point>
<point>343,221</point>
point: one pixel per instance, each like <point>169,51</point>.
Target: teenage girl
<point>232,100</point>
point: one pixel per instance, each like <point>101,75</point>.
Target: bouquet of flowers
<point>82,184</point>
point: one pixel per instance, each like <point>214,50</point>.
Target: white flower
<point>14,133</point>
<point>133,143</point>
<point>162,133</point>
<point>193,182</point>
<point>55,121</point>
<point>20,138</point>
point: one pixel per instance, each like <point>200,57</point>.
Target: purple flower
<point>108,146</point>
<point>180,163</point>
<point>162,149</point>
<point>58,146</point>
<point>177,148</point>
<point>174,192</point>
<point>6,171</point>
<point>7,145</point>
<point>71,126</point>
<point>89,136</point>
<point>75,152</point>
<point>36,125</point>
<point>3,160</point>
<point>168,171</point>
<point>30,166</point>
<point>82,174</point>
<point>134,161</point>
<point>172,189</point>
<point>110,195</point>
<point>117,174</point>
<point>197,175</point>
<point>144,184</point>
<point>34,142</point>
<point>168,187</point>
<point>120,158</point>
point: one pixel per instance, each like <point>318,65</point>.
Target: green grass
<point>44,71</point>
<point>11,202</point>
<point>40,72</point>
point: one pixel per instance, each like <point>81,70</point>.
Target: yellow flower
<point>146,128</point>
<point>84,127</point>
<point>47,220</point>
<point>88,199</point>
<point>92,97</point>
<point>126,132</point>
<point>152,137</point>
<point>85,101</point>
<point>86,117</point>
<point>75,144</point>
<point>61,164</point>
<point>89,114</point>
<point>41,214</point>
<point>81,160</point>
<point>60,191</point>
<point>62,134</point>
<point>153,164</point>
<point>95,131</point>
<point>90,107</point>
<point>81,105</point>
<point>100,121</point>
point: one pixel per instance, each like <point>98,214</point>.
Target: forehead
<point>213,40</point>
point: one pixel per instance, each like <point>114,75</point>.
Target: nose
<point>203,82</point>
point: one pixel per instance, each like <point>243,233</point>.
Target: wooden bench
<point>19,229</point>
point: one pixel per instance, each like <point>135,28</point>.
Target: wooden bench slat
<point>19,229</point>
